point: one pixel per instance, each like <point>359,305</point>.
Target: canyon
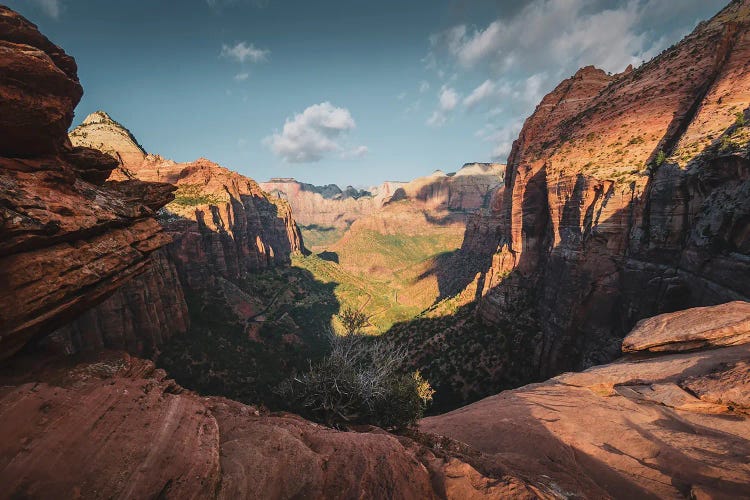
<point>150,306</point>
<point>625,196</point>
<point>380,244</point>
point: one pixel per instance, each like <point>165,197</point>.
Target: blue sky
<point>347,91</point>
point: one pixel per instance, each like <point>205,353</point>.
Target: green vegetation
<point>360,382</point>
<point>660,158</point>
<point>636,140</point>
<point>241,354</point>
<point>739,119</point>
<point>374,297</point>
<point>352,320</point>
<point>466,358</point>
<point>317,237</point>
<point>190,195</point>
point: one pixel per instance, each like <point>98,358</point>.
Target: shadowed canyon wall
<point>625,196</point>
<point>222,225</point>
<point>68,239</point>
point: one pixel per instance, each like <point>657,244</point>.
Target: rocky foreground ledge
<point>672,424</point>
<point>668,424</point>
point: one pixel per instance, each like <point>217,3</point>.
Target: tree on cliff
<point>352,319</point>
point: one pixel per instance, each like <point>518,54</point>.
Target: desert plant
<point>361,381</point>
<point>739,119</point>
<point>352,319</point>
<point>660,157</point>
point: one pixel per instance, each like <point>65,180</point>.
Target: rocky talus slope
<point>68,239</point>
<point>674,423</point>
<point>625,196</point>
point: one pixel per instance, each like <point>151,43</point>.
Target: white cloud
<point>523,55</point>
<point>313,134</point>
<point>501,138</point>
<point>569,33</point>
<point>479,94</point>
<point>424,87</point>
<point>52,8</point>
<point>436,119</point>
<point>242,52</point>
<point>240,77</point>
<point>447,101</point>
<point>357,152</point>
<point>401,96</point>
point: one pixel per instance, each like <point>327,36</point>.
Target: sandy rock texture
<point>625,196</point>
<point>645,426</point>
<point>67,240</point>
<point>113,426</point>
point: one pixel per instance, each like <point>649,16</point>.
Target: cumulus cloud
<point>52,8</point>
<point>447,101</point>
<point>314,134</point>
<point>241,77</point>
<point>523,54</point>
<point>242,52</point>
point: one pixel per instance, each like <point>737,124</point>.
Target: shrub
<point>190,195</point>
<point>352,320</point>
<point>660,157</point>
<point>739,119</point>
<point>360,382</point>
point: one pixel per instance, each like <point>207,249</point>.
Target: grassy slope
<point>380,273</point>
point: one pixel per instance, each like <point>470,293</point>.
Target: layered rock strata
<point>68,241</point>
<point>625,196</point>
<point>669,425</point>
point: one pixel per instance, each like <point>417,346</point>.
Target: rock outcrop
<point>39,89</point>
<point>124,430</point>
<point>222,225</point>
<point>666,426</point>
<point>67,241</point>
<point>222,222</point>
<point>625,196</point>
<point>138,318</point>
<point>329,209</point>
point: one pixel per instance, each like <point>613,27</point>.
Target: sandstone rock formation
<point>99,131</point>
<point>222,222</point>
<point>124,429</point>
<point>139,317</point>
<point>696,328</point>
<point>223,226</point>
<point>667,426</point>
<point>328,208</point>
<point>625,196</point>
<point>39,89</point>
<point>68,242</point>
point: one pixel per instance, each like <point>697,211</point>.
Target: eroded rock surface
<point>699,327</point>
<point>625,196</point>
<point>66,241</point>
<point>123,429</point>
<point>666,426</point>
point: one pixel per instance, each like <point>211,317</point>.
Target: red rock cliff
<point>626,196</point>
<point>68,240</point>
